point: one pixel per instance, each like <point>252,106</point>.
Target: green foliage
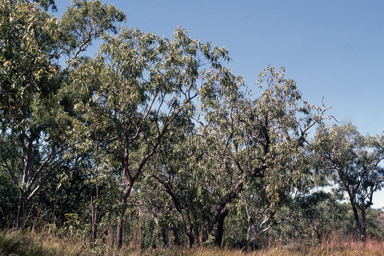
<point>28,56</point>
<point>86,21</point>
<point>156,139</point>
<point>36,113</point>
<point>138,89</point>
<point>9,194</point>
<point>320,218</point>
<point>353,163</point>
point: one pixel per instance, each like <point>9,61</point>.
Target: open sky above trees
<point>333,49</point>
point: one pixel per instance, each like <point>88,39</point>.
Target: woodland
<point>154,143</point>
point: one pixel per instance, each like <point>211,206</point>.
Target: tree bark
<point>220,226</point>
<point>94,211</point>
<point>119,238</point>
<point>21,213</point>
<point>355,214</point>
<point>364,226</point>
<point>176,234</point>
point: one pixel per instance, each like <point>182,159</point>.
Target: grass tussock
<point>30,243</point>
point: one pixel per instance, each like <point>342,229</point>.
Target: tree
<point>352,162</point>
<point>35,114</point>
<point>175,171</point>
<point>84,22</point>
<point>29,76</point>
<point>139,86</point>
<point>262,139</point>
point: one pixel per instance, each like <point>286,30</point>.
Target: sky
<point>331,48</point>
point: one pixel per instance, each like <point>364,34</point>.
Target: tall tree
<point>34,113</point>
<point>175,171</point>
<point>258,139</point>
<point>352,161</point>
<point>140,86</point>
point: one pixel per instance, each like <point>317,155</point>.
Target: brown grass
<point>32,243</point>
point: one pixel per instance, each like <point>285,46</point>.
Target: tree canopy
<point>154,140</point>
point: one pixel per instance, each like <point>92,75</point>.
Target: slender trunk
<point>127,192</point>
<point>94,209</point>
<point>248,229</point>
<point>188,230</point>
<point>21,213</point>
<point>220,226</point>
<point>214,220</point>
<point>176,234</point>
<point>27,167</point>
<point>93,221</point>
<point>165,237</point>
<point>191,238</point>
<point>364,226</point>
<point>185,220</point>
<point>221,212</point>
<point>355,214</point>
<point>119,238</point>
<point>208,230</point>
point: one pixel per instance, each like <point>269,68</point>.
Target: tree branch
<point>11,172</point>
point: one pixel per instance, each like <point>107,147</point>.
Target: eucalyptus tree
<point>28,76</point>
<point>35,114</point>
<point>353,163</point>
<point>258,139</point>
<point>84,22</point>
<point>159,221</point>
<point>321,217</point>
<point>139,85</point>
<point>175,173</point>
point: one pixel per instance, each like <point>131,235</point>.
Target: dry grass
<point>32,243</point>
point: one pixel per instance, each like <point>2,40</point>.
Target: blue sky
<point>331,48</point>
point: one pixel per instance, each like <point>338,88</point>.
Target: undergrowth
<point>30,243</point>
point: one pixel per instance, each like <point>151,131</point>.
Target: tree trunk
<point>176,234</point>
<point>221,212</point>
<point>94,223</point>
<point>358,224</point>
<point>119,238</point>
<point>188,230</point>
<point>94,219</point>
<point>364,226</point>
<point>20,213</point>
<point>220,226</point>
<point>94,208</point>
<point>187,223</point>
<point>208,230</point>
